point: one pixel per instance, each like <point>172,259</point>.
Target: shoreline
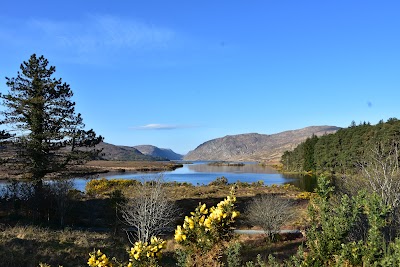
<point>105,166</point>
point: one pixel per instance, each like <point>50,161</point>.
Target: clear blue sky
<point>178,73</point>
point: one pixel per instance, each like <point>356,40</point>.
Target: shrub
<point>219,181</point>
<point>305,195</point>
<point>140,255</point>
<point>149,212</point>
<point>102,186</point>
<point>346,230</point>
<point>270,212</point>
<point>233,255</point>
<point>203,234</point>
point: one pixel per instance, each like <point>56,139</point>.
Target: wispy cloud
<point>155,126</point>
<point>103,31</point>
<point>93,36</point>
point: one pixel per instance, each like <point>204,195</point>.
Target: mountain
<point>159,152</point>
<point>254,146</point>
<point>114,152</point>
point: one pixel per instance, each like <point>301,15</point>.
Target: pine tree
<point>309,161</point>
<point>46,131</point>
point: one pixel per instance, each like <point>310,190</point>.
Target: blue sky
<point>178,73</point>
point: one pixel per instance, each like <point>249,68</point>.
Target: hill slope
<point>254,146</point>
<point>159,152</point>
<point>114,152</point>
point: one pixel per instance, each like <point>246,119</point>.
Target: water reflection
<point>303,181</point>
<point>247,168</point>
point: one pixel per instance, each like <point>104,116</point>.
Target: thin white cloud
<point>93,39</point>
<point>155,126</point>
<point>103,32</point>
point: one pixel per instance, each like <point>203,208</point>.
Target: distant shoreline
<point>225,163</point>
<point>134,166</point>
<point>105,166</point>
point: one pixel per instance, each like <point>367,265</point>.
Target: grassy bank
<point>100,166</point>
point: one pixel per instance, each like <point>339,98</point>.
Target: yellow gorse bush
<point>143,251</point>
<point>305,195</point>
<point>101,186</point>
<point>141,254</point>
<point>98,259</point>
<point>205,226</point>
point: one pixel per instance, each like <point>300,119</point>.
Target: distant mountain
<point>159,152</point>
<point>114,152</point>
<point>254,146</point>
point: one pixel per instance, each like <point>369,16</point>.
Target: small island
<point>225,163</point>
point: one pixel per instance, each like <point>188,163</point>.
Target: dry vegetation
<point>97,166</point>
<point>140,166</point>
<point>29,245</point>
<point>187,196</point>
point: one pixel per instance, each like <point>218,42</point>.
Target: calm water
<point>199,173</point>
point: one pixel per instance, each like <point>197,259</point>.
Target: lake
<point>200,173</point>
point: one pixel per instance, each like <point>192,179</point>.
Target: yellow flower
<point>201,221</point>
<point>207,223</point>
<point>203,209</point>
<point>180,237</point>
<point>92,260</point>
<point>235,214</point>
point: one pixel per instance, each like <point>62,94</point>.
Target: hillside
<point>254,146</point>
<point>159,152</point>
<point>114,152</point>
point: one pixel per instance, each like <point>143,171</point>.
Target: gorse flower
<point>205,226</point>
<point>143,251</point>
<point>141,254</point>
<point>179,236</point>
<point>98,259</point>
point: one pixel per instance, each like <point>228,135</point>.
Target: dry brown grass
<point>29,245</point>
<point>256,244</point>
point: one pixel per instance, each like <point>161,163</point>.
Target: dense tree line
<point>344,151</point>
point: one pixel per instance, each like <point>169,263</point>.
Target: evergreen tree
<point>309,161</point>
<point>47,132</point>
<point>343,151</point>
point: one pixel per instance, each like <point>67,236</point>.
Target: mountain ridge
<point>254,146</point>
<point>154,151</point>
<point>136,153</point>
